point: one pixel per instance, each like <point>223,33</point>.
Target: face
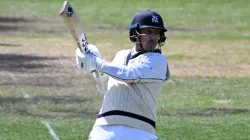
<point>149,38</point>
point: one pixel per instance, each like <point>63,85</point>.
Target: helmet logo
<point>155,19</point>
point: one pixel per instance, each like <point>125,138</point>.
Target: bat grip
<point>95,73</point>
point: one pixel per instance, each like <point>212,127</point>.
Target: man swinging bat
<point>131,83</point>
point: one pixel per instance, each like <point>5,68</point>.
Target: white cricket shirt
<point>132,90</point>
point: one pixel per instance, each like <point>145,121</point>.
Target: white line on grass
<point>51,131</point>
<point>26,96</point>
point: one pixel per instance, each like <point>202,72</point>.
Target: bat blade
<point>73,24</point>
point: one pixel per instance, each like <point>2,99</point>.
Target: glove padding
<point>92,49</point>
<point>85,62</point>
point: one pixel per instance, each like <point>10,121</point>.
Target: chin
<point>150,48</point>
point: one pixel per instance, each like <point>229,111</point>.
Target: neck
<point>138,47</point>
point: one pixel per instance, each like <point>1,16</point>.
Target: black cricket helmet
<point>147,19</point>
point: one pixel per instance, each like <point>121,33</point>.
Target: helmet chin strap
<point>139,41</point>
<point>140,44</point>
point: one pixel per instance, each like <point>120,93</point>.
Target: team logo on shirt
<point>155,19</point>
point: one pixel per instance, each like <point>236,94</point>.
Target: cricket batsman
<point>131,83</point>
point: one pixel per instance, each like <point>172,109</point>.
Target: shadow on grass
<point>5,28</point>
<point>30,70</point>
<point>19,106</point>
<point>69,115</point>
<point>207,112</point>
<point>24,112</point>
<point>16,62</point>
<point>13,20</point>
<point>9,45</point>
<point>52,99</point>
<point>27,26</point>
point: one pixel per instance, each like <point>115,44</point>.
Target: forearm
<point>129,74</point>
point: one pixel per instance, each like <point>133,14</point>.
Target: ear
<point>133,32</point>
<point>162,39</point>
<point>132,35</point>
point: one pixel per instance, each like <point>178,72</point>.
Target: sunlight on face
<point>149,38</point>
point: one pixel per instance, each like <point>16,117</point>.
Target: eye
<point>156,32</point>
<point>147,32</point>
<point>150,31</point>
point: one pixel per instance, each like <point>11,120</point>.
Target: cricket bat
<point>73,23</point>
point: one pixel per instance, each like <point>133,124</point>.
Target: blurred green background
<point>207,97</point>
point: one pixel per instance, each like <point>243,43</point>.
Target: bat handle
<point>95,73</point>
<point>97,78</point>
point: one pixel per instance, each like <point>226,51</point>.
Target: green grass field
<point>207,97</point>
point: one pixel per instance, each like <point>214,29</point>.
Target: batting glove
<point>85,62</point>
<point>92,49</point>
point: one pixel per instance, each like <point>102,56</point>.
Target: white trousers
<point>119,132</point>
